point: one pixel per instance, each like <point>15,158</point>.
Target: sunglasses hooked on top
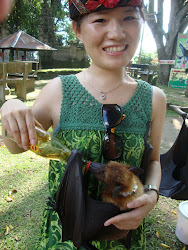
<point>112,144</point>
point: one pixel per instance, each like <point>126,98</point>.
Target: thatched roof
<point>22,41</point>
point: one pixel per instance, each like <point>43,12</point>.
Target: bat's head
<point>118,178</point>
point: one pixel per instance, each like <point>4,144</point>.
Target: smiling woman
<point>114,35</point>
<point>110,33</point>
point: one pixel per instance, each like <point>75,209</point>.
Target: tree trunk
<point>47,34</point>
<point>3,30</point>
<point>178,22</point>
<point>164,72</point>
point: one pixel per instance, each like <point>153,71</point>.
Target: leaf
<point>173,212</point>
<point>7,230</point>
<point>14,191</point>
<point>11,226</point>
<point>159,221</point>
<point>9,198</point>
<point>184,248</point>
<point>158,234</point>
<point>16,238</point>
<point>164,245</point>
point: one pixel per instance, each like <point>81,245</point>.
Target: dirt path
<point>171,129</point>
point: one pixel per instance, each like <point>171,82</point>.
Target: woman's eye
<point>129,18</point>
<point>100,20</point>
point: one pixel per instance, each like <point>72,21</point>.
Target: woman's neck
<point>105,78</point>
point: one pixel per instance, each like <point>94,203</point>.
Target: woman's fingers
<point>131,220</point>
<point>19,122</point>
<point>30,136</point>
<point>126,221</point>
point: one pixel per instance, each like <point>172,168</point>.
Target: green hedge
<point>44,74</point>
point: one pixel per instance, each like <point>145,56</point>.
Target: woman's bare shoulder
<point>158,101</point>
<point>48,103</point>
<point>158,92</point>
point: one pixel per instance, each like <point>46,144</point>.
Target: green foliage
<point>146,58</point>
<point>25,16</point>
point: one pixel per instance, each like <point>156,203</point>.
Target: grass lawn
<point>24,178</point>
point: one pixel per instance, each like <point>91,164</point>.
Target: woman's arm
<point>19,120</point>
<point>157,116</point>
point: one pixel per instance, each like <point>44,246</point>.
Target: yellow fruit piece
<point>173,212</point>
<point>7,230</point>
<point>164,245</point>
<point>158,234</point>
<point>9,198</point>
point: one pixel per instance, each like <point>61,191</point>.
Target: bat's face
<point>117,177</point>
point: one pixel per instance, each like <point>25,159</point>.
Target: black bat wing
<point>70,200</point>
<point>174,164</point>
<point>81,216</point>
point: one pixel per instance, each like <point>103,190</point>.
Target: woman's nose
<point>116,30</point>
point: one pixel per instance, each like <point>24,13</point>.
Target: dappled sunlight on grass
<point>26,173</point>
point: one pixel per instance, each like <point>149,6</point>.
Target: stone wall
<point>65,57</point>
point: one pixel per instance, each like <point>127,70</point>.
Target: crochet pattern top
<point>80,110</point>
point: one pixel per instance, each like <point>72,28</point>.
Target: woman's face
<point>110,36</point>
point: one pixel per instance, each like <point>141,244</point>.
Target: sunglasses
<point>112,144</point>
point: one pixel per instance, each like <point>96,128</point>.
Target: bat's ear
<point>116,191</point>
<point>136,170</point>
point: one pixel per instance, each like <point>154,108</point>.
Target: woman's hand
<point>19,122</point>
<point>140,208</point>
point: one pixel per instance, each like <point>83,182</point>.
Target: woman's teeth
<point>115,49</point>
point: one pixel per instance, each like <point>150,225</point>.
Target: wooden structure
<point>143,71</point>
<point>21,41</point>
<point>19,75</point>
<point>3,75</point>
<point>148,74</point>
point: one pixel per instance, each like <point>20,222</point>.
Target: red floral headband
<point>92,5</point>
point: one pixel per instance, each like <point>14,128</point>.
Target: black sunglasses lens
<point>112,146</point>
<point>111,115</point>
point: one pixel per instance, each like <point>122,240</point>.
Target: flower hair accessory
<point>109,4</point>
<point>82,7</point>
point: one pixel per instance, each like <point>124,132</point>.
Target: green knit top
<point>80,110</point>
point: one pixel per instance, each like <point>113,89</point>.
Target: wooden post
<point>3,73</point>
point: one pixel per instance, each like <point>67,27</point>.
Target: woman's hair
<point>79,8</point>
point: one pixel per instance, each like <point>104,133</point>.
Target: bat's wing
<point>97,212</point>
<point>81,216</point>
<point>174,163</point>
<point>70,200</point>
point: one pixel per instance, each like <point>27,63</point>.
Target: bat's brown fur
<point>118,176</point>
